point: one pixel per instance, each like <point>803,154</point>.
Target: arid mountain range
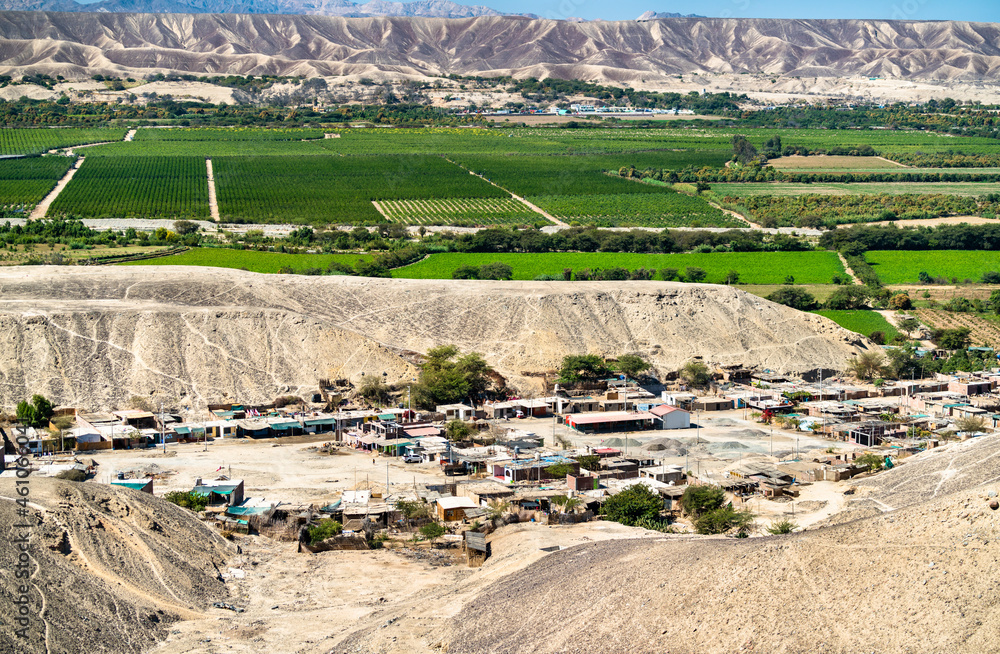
<point>77,45</point>
<point>425,8</point>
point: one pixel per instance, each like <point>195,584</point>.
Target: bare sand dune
<point>196,335</point>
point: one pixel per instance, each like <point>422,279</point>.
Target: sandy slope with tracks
<point>188,335</point>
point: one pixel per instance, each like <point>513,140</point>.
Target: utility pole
<point>163,437</point>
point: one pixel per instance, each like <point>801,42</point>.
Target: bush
<point>723,520</point>
<point>784,526</point>
<point>632,505</point>
<point>796,298</point>
<point>72,475</point>
<point>432,530</point>
<point>698,500</point>
<point>188,500</point>
<point>324,529</point>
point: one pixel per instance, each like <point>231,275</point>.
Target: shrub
<point>72,475</point>
<point>698,500</point>
<point>796,298</point>
<point>784,526</point>
<point>432,530</point>
<point>188,500</point>
<point>723,520</point>
<point>633,504</point>
<point>322,530</point>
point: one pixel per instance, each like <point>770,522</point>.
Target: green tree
<point>908,325</point>
<point>374,390</point>
<point>559,470</point>
<point>631,365</point>
<point>456,430</point>
<point>743,151</point>
<point>432,531</point>
<point>783,526</point>
<point>696,374</point>
<point>848,297</point>
<point>900,302</point>
<point>732,277</point>
<point>445,380</point>
<point>322,530</point>
<point>36,413</point>
<point>583,367</point>
<point>670,274</point>
<point>953,339</point>
<point>693,274</point>
<point>697,500</point>
<point>871,461</point>
<point>465,272</point>
<point>723,520</point>
<point>867,365</point>
<point>794,297</point>
<point>633,504</point>
<point>589,462</point>
<point>495,270</point>
<point>970,424</point>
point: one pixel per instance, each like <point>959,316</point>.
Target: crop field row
<point>863,322</point>
<point>785,189</point>
<point>453,211</point>
<point>147,187</point>
<point>666,209</point>
<point>252,134</point>
<point>335,189</point>
<point>904,267</point>
<point>252,260</point>
<point>753,267</point>
<point>40,140</point>
<point>24,182</point>
<point>982,331</point>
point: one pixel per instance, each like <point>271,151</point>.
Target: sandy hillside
<point>96,336</point>
<point>79,44</point>
<point>115,568</point>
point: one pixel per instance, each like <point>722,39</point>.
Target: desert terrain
<point>96,336</point>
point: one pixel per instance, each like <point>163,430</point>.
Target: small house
<point>220,491</point>
<point>456,411</point>
<point>671,417</point>
<point>141,485</point>
<point>450,509</point>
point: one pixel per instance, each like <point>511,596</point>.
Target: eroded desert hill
<point>80,44</point>
<point>95,337</point>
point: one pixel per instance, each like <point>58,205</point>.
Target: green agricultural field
<point>24,182</point>
<point>753,267</point>
<point>863,322</point>
<point>143,187</point>
<point>254,134</point>
<point>785,189</point>
<point>252,260</point>
<point>460,211</point>
<point>666,209</point>
<point>40,140</point>
<point>321,190</point>
<point>904,267</point>
<point>209,148</point>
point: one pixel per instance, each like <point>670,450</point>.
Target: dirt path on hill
<point>854,278</point>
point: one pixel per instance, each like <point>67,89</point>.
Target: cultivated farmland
<point>252,260</point>
<point>666,209</point>
<point>37,141</point>
<point>146,187</point>
<point>753,267</point>
<point>785,189</point>
<point>904,267</point>
<point>862,321</point>
<point>460,211</point>
<point>24,182</point>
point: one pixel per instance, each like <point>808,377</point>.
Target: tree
<point>732,277</point>
<point>696,374</point>
<point>848,297</point>
<point>495,270</point>
<point>877,336</point>
<point>953,339</point>
<point>900,302</point>
<point>631,365</point>
<point>583,367</point>
<point>456,430</point>
<point>743,151</point>
<point>589,462</point>
<point>871,461</point>
<point>465,272</point>
<point>36,413</point>
<point>445,380</point>
<point>322,530</point>
<point>432,531</point>
<point>697,500</point>
<point>794,297</point>
<point>559,470</point>
<point>867,365</point>
<point>908,325</point>
<point>374,390</point>
<point>670,274</point>
<point>189,500</point>
<point>725,519</point>
<point>970,424</point>
<point>633,504</point>
<point>994,301</point>
<point>693,274</point>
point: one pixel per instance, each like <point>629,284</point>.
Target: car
<point>411,458</point>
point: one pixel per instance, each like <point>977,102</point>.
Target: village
<point>779,447</point>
